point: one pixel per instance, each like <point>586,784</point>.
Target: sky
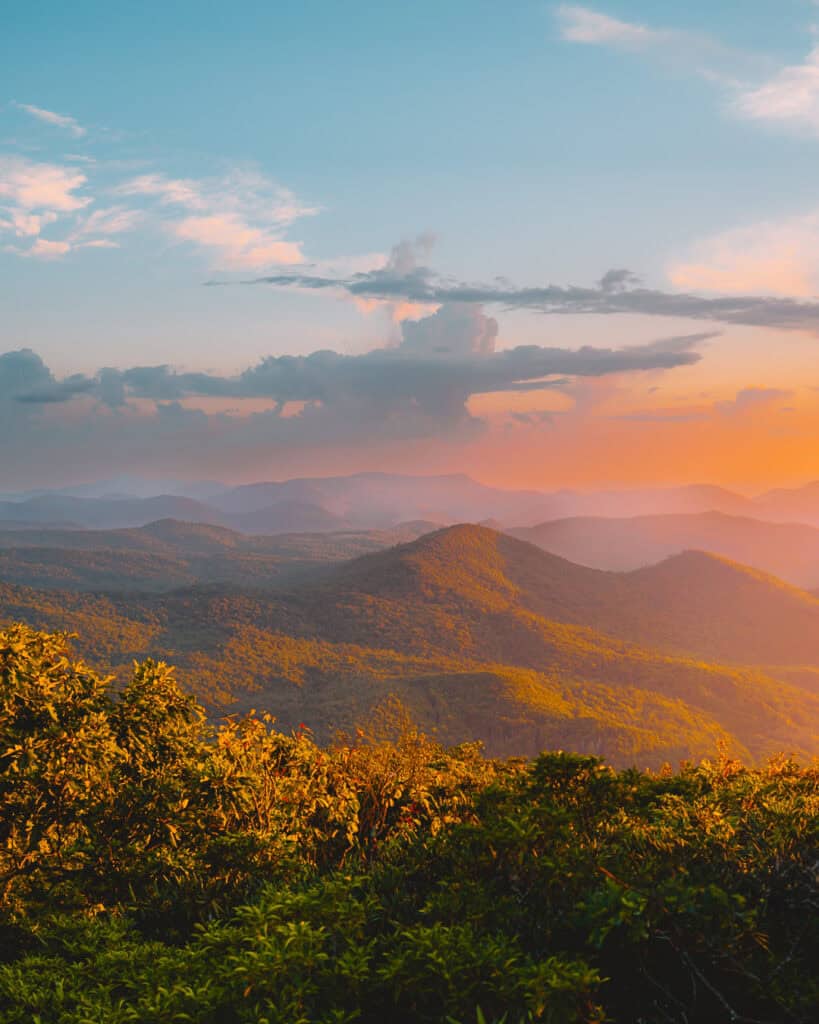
<point>549,245</point>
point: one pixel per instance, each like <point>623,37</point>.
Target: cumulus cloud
<point>22,372</point>
<point>70,124</point>
<point>34,196</point>
<point>417,389</point>
<point>455,329</point>
<point>440,363</point>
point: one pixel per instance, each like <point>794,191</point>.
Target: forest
<point>158,866</point>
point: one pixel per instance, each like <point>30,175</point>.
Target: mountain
<point>364,501</point>
<point>485,636</point>
<point>795,505</point>
<point>690,499</point>
<point>378,499</point>
<point>383,499</point>
<point>695,603</point>
<point>107,513</point>
<point>288,517</point>
<point>126,486</point>
<point>787,550</point>
<point>168,554</point>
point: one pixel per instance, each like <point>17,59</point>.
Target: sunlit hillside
<point>485,637</point>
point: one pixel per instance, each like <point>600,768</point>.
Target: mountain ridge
<point>482,636</point>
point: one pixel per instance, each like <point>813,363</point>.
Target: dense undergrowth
<point>156,868</point>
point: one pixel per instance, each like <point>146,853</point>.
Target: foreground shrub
<point>156,868</point>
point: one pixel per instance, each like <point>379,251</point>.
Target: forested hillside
<point>168,554</point>
<point>483,637</point>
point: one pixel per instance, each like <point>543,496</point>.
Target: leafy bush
<point>157,868</point>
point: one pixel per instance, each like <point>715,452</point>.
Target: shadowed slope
<point>788,550</point>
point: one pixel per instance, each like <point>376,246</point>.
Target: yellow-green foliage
<point>156,868</point>
<point>106,793</point>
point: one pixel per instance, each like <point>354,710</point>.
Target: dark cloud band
<point>618,292</point>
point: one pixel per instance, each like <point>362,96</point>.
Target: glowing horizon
<point>377,279</point>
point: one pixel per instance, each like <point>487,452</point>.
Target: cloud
<point>440,363</point>
<point>70,124</point>
<point>47,250</point>
<point>27,185</point>
<point>790,96</point>
<point>240,219</point>
<point>417,390</point>
<point>616,293</point>
<point>746,402</point>
<point>752,399</point>
<point>583,25</point>
<point>35,195</point>
<point>678,48</point>
<point>774,256</point>
<point>403,259</point>
<point>24,224</point>
<point>22,371</point>
<point>239,245</point>
<point>111,220</point>
<point>455,329</point>
<point>752,88</point>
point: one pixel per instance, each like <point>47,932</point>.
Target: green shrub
<point>157,868</point>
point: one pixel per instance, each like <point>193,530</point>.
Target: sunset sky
<point>548,245</point>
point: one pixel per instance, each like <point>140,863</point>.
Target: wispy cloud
<point>682,49</point>
<point>747,402</point>
<point>583,25</point>
<point>753,87</point>
<point>618,292</point>
<point>789,97</point>
<point>241,219</point>
<point>69,124</point>
<point>771,256</point>
<point>47,250</point>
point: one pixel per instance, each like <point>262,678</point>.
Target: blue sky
<point>148,149</point>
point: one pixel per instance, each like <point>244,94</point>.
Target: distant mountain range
<point>788,550</point>
<point>483,636</point>
<point>168,554</point>
<point>382,500</point>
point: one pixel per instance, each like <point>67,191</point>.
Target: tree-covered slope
<point>475,632</point>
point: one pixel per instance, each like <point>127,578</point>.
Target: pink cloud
<point>36,186</point>
<point>237,243</point>
<point>769,257</point>
<point>45,250</point>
